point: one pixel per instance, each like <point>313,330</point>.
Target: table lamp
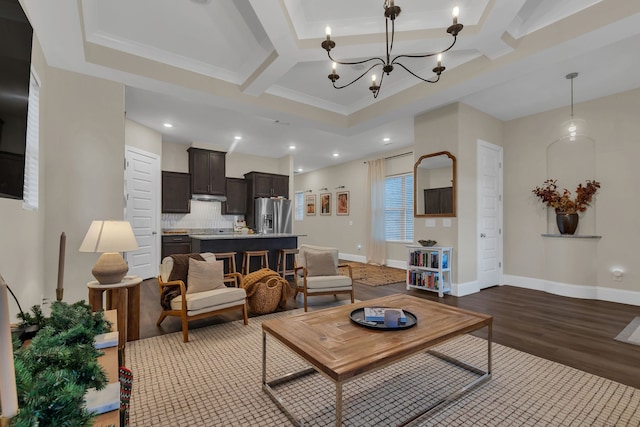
<point>110,238</point>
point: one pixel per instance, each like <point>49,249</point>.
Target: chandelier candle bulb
<point>334,67</point>
<point>327,31</point>
<point>456,12</point>
<point>439,60</point>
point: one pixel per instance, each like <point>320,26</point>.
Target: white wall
<point>81,179</point>
<point>576,265</point>
<point>82,141</point>
<point>139,136</point>
<point>346,232</point>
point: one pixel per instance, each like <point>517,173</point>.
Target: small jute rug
<point>215,380</point>
<point>631,333</point>
<point>375,275</point>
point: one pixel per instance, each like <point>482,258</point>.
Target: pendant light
<point>574,127</point>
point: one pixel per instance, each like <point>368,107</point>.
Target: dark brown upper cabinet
<point>236,203</point>
<point>207,170</point>
<point>261,184</point>
<point>176,192</point>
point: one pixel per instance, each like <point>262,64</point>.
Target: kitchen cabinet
<point>176,192</point>
<point>262,184</point>
<point>175,244</point>
<point>236,191</point>
<point>207,169</point>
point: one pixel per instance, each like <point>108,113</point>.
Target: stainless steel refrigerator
<point>272,216</point>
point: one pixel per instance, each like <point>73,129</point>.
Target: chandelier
<point>391,12</point>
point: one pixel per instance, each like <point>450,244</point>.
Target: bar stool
<point>246,261</point>
<point>282,262</point>
<point>229,259</point>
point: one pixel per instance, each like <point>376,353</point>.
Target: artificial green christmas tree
<point>54,372</point>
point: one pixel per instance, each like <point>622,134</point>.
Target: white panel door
<point>489,214</point>
<point>142,193</point>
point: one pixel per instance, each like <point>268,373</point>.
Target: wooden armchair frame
<point>233,278</point>
<point>306,293</point>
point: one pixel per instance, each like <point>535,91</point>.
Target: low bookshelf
<point>429,268</point>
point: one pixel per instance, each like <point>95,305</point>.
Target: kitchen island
<point>239,243</point>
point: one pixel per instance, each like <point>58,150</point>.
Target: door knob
<point>483,235</point>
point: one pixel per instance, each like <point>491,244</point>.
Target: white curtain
<point>376,245</point>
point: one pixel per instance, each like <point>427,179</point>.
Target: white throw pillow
<point>204,276</point>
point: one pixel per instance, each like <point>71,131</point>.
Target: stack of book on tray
<point>390,316</point>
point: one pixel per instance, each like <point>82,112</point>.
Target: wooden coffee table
<point>341,350</point>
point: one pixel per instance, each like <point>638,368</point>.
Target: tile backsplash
<point>203,215</point>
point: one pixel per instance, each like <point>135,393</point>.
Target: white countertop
<point>242,236</point>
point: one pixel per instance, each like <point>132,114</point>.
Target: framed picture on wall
<point>325,204</point>
<point>342,203</point>
<point>310,203</point>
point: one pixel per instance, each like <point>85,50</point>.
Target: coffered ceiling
<point>220,68</point>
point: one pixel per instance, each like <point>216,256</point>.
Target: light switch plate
<point>429,222</point>
<point>446,222</point>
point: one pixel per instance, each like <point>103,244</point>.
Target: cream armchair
<point>208,290</point>
<point>318,273</point>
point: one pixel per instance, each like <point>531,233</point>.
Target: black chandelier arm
<point>356,62</point>
<point>426,55</point>
<point>417,76</point>
<point>357,78</point>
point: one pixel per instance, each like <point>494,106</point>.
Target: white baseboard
<point>462,289</point>
<point>354,258</point>
<point>393,263</point>
<point>556,288</point>
<point>574,291</point>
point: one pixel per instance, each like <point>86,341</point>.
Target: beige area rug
<point>375,275</point>
<point>215,380</point>
<point>631,333</point>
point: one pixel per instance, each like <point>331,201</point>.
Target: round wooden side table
<point>125,298</point>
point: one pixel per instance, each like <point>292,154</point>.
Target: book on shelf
<point>377,314</point>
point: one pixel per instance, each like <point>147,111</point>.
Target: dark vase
<point>567,222</point>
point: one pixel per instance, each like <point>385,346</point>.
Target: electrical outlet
<point>617,275</point>
<point>45,301</point>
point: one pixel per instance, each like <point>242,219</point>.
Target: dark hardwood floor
<point>575,332</point>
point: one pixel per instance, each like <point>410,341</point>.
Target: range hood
<point>208,198</point>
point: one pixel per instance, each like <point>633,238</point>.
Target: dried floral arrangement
<point>562,201</point>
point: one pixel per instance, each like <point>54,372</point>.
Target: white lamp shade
<point>109,236</point>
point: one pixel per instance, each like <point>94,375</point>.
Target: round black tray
<point>357,316</point>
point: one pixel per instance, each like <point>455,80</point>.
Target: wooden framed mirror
<point>434,185</point>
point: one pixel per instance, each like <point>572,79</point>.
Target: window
<point>31,156</point>
<point>299,203</point>
<point>398,208</point>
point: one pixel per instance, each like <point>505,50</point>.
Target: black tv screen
<point>15,62</point>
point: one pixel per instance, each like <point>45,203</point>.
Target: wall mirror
<point>434,190</point>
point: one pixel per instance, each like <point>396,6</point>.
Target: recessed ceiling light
<point>292,147</point>
<point>336,155</point>
<point>237,138</point>
<point>299,169</point>
<point>386,139</point>
<point>168,125</point>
